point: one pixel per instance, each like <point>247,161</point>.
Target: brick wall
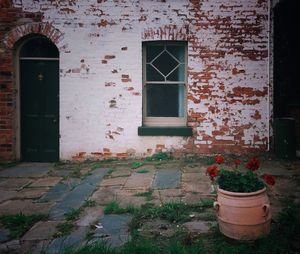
<point>101,72</point>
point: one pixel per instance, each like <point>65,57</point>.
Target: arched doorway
<point>39,100</point>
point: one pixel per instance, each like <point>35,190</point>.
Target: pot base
<point>243,216</point>
<point>244,232</point>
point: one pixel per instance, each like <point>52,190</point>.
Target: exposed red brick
<point>108,57</point>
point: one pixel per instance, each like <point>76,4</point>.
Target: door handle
<point>54,120</point>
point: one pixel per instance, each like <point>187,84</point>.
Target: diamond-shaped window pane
<point>177,74</point>
<point>177,51</point>
<point>153,51</point>
<point>153,75</point>
<point>165,63</point>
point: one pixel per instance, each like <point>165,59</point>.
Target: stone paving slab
<point>55,246</point>
<point>24,206</point>
<point>76,197</point>
<point>73,200</point>
<point>170,195</point>
<point>140,181</point>
<point>31,193</point>
<point>199,227</point>
<point>115,229</point>
<point>195,197</point>
<point>275,168</point>
<point>42,230</point>
<point>4,235</point>
<point>34,170</point>
<point>75,239</point>
<point>90,216</point>
<point>194,168</point>
<point>120,171</point>
<point>105,195</point>
<point>56,193</point>
<point>11,247</point>
<point>126,198</point>
<point>14,183</point>
<point>113,181</point>
<point>196,182</point>
<point>167,178</point>
<point>46,182</point>
<point>6,195</point>
<point>95,176</point>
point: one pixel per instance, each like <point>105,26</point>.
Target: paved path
<point>56,190</point>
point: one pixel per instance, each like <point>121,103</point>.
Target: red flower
<point>237,162</point>
<point>253,164</point>
<point>212,171</point>
<point>219,159</point>
<point>269,179</point>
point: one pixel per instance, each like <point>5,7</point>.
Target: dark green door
<point>39,110</point>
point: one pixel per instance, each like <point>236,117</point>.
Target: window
<point>164,79</point>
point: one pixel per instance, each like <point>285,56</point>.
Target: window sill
<point>165,131</point>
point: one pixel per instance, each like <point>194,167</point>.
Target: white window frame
<point>165,121</point>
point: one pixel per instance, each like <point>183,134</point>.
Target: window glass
<point>177,74</point>
<point>165,63</point>
<point>177,52</point>
<point>164,77</point>
<point>162,100</point>
<point>153,51</point>
<point>153,74</point>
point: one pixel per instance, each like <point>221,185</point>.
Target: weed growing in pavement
<point>142,171</point>
<point>110,171</point>
<point>8,164</point>
<point>95,165</point>
<point>89,203</point>
<point>146,194</point>
<point>114,207</point>
<point>136,164</point>
<point>72,214</point>
<point>63,228</point>
<point>161,156</point>
<point>18,224</point>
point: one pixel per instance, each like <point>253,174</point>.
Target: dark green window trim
<point>165,131</point>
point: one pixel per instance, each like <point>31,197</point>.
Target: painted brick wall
<point>100,44</point>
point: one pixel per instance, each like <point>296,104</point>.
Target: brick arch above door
<point>41,28</point>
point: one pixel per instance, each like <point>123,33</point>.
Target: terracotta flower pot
<point>243,216</point>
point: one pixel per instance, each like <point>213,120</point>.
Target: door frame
<point>17,113</point>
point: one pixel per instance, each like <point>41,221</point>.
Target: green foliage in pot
<point>236,181</point>
<point>239,182</point>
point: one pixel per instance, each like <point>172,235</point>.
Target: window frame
<point>164,121</point>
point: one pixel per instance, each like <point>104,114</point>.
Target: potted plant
<point>242,206</point>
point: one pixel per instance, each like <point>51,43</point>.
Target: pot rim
<point>241,194</point>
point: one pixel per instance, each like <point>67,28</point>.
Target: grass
<point>95,165</point>
<point>110,171</point>
<point>18,224</point>
<point>75,174</point>
<point>143,171</point>
<point>89,203</point>
<point>8,164</point>
<point>64,228</point>
<point>136,164</point>
<point>72,214</point>
<point>146,194</point>
<point>172,212</point>
<point>114,207</point>
<point>161,156</point>
<point>279,241</point>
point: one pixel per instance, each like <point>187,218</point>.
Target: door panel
<point>39,110</point>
